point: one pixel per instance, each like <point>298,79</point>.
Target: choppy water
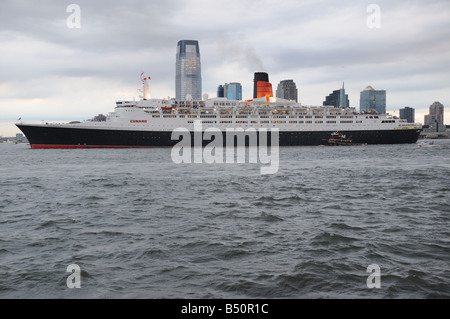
<point>140,226</point>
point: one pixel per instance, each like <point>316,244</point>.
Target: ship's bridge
<point>125,104</point>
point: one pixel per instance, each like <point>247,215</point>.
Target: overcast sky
<point>51,72</point>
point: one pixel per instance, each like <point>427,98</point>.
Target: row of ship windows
<point>246,116</point>
<point>276,116</point>
<point>277,122</point>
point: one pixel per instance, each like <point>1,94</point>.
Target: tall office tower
<point>262,86</point>
<point>436,114</point>
<point>233,91</point>
<point>188,79</point>
<point>372,101</point>
<point>220,91</point>
<point>287,90</point>
<point>338,98</point>
<point>407,114</point>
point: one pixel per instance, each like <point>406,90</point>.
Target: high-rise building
<point>220,91</point>
<point>233,91</point>
<point>338,98</point>
<point>407,114</point>
<point>372,101</point>
<point>436,114</point>
<point>435,119</point>
<point>188,79</point>
<point>287,90</point>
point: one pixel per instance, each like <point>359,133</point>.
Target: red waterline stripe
<point>89,146</point>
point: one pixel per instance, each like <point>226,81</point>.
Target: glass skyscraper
<point>188,79</point>
<point>220,91</point>
<point>338,98</point>
<point>233,91</point>
<point>372,101</point>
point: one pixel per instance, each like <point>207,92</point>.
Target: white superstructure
<point>166,115</point>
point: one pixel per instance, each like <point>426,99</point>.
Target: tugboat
<point>338,139</point>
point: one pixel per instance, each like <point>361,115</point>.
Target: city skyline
<point>56,73</point>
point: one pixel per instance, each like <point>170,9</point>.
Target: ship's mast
<point>145,88</point>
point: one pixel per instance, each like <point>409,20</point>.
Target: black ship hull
<point>48,136</point>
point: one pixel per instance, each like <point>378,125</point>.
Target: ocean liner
<point>150,122</point>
